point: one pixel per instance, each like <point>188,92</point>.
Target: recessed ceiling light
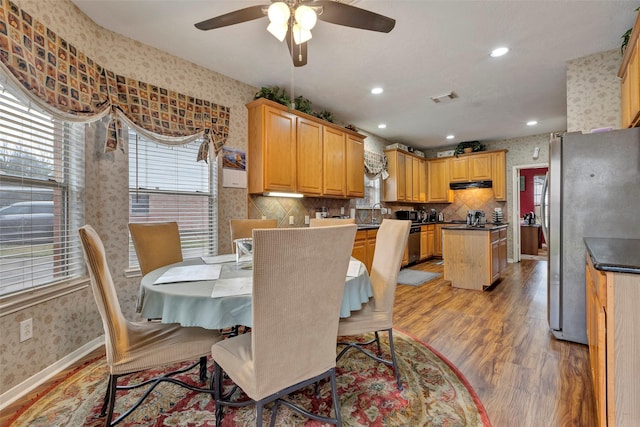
<point>499,51</point>
<point>382,126</point>
<point>450,136</point>
<point>532,123</point>
<point>377,90</point>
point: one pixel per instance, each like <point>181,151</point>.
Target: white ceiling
<point>435,47</point>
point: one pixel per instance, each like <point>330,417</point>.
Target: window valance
<point>71,86</point>
<point>375,164</point>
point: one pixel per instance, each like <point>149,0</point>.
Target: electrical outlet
<point>26,329</point>
<point>306,219</point>
<point>291,221</point>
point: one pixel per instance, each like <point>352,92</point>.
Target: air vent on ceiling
<point>447,97</point>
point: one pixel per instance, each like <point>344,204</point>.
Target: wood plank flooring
<point>499,340</point>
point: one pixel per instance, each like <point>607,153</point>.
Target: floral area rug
<point>435,394</point>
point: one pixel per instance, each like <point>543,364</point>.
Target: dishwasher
<point>414,244</point>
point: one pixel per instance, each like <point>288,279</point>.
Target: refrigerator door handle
<point>543,208</point>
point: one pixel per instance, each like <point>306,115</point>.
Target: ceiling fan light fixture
<point>279,13</point>
<point>300,35</point>
<point>306,17</point>
<point>278,31</point>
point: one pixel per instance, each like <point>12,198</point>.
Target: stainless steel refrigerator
<point>593,190</point>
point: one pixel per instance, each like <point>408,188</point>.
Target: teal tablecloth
<point>190,303</point>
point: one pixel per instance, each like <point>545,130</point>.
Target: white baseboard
<point>49,372</point>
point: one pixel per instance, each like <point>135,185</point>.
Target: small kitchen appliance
<point>407,215</point>
<point>476,218</point>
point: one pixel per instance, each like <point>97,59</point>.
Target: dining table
<point>179,293</point>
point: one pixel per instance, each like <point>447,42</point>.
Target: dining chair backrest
<point>156,243</point>
<point>242,228</point>
<point>390,243</point>
<point>324,222</point>
<point>104,292</point>
<point>298,284</point>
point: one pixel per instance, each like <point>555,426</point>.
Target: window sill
<point>13,303</point>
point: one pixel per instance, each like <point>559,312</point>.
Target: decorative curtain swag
<point>71,86</point>
<point>375,165</point>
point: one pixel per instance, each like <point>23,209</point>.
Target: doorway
<point>527,190</point>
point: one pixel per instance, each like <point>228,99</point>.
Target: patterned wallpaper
<point>593,92</point>
<point>64,324</point>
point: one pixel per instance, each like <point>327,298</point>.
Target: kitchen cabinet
<point>530,239</point>
<point>291,151</point>
<point>613,335</point>
<point>499,174</point>
<point>426,241</point>
<point>272,158</point>
<point>470,167</point>
<point>437,240</point>
<point>309,145</point>
<point>407,178</point>
<point>405,256</point>
<point>438,181</point>
<point>334,163</point>
<point>630,79</point>
<point>502,250</point>
<point>355,167</point>
<point>473,258</point>
<point>364,246</point>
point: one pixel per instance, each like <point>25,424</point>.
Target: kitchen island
<point>474,257</point>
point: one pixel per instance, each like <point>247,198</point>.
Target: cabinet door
<point>480,167</point>
<point>334,162</point>
<point>355,167</point>
<point>633,72</point>
<point>408,174</point>
<point>424,244</point>
<point>459,169</point>
<point>415,176</point>
<point>438,181</point>
<point>437,241</point>
<point>430,241</point>
<point>371,247</point>
<point>498,175</point>
<point>279,162</point>
<point>309,151</point>
<point>405,257</point>
<point>502,249</point>
<point>495,261</point>
<point>422,181</point>
<point>359,250</point>
<point>401,177</point>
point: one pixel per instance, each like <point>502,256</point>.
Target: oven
<point>414,244</point>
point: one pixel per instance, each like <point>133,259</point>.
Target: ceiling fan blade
<point>298,51</point>
<point>351,16</point>
<point>231,18</point>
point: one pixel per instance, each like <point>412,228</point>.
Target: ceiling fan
<point>293,20</point>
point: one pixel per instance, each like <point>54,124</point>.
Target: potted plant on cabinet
<point>468,147</point>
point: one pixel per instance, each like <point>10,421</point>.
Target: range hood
<point>473,184</point>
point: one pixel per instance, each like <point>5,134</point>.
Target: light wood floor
<point>500,341</point>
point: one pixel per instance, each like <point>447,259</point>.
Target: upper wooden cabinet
<point>294,152</point>
<point>471,167</point>
<point>407,178</point>
<point>630,74</point>
<point>438,181</point>
<point>499,174</point>
<point>272,149</point>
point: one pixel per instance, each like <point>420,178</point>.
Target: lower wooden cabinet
<point>437,240</point>
<point>364,246</point>
<point>613,334</point>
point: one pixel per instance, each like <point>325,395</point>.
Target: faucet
<point>373,218</point>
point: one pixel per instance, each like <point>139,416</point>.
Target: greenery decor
<point>625,37</point>
<point>302,104</point>
<point>474,145</point>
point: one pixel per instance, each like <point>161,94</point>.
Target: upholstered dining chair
<point>242,228</point>
<point>377,314</point>
<point>323,222</point>
<point>156,243</point>
<point>137,346</point>
<point>291,286</point>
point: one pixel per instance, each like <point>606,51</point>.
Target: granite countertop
<point>487,227</point>
<point>616,255</point>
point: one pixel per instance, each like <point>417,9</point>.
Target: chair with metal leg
<point>137,346</point>
<point>295,311</point>
<point>377,314</point>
